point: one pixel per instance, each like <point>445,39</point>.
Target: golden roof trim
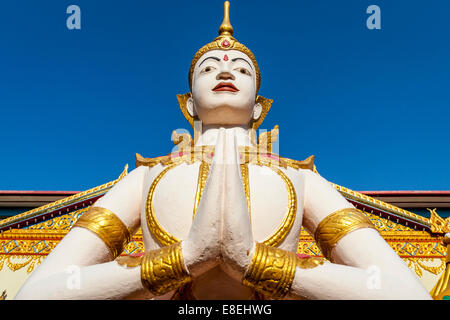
<point>382,205</point>
<point>436,224</point>
<point>63,202</point>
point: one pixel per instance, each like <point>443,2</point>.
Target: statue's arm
<point>80,267</point>
<point>96,282</point>
<point>82,253</point>
<point>364,266</point>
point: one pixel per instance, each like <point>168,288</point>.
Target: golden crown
<point>225,41</point>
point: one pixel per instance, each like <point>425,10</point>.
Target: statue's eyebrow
<point>215,58</point>
<point>242,59</point>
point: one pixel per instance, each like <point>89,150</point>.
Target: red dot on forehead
<point>225,58</point>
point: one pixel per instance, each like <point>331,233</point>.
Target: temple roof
<point>56,208</point>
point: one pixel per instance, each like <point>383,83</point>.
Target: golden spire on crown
<point>225,41</point>
<point>226,28</point>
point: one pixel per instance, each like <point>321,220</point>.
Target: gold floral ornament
<point>438,224</point>
<point>129,261</point>
<point>108,227</point>
<point>225,41</point>
<point>309,263</point>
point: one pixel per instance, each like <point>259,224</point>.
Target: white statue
<point>222,219</point>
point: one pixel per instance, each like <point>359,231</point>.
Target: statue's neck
<point>209,134</point>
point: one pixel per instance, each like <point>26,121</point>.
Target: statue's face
<point>224,89</point>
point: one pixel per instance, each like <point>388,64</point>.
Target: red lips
<point>225,86</point>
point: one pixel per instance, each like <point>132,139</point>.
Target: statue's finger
<point>235,197</point>
<point>231,148</point>
<point>219,150</point>
<point>209,208</point>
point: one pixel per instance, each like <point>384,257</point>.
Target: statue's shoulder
<point>307,164</point>
<point>178,157</point>
<point>186,153</point>
<point>265,154</point>
<point>151,162</point>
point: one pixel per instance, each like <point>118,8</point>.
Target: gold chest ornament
<point>165,238</point>
<point>249,155</point>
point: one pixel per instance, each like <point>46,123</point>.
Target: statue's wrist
<point>271,271</point>
<point>164,270</point>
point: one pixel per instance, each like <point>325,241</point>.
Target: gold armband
<point>335,226</point>
<point>163,270</point>
<point>107,227</point>
<point>271,271</point>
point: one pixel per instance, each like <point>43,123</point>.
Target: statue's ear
<point>190,107</point>
<point>257,110</point>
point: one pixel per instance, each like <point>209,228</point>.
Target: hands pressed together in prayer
<point>221,232</point>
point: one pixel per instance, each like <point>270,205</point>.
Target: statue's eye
<point>207,69</point>
<point>244,71</point>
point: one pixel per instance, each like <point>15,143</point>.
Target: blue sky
<point>372,105</point>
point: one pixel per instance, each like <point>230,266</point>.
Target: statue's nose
<point>225,76</point>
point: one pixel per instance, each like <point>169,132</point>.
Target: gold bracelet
<point>163,270</point>
<point>336,225</point>
<point>108,227</point>
<point>271,271</point>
